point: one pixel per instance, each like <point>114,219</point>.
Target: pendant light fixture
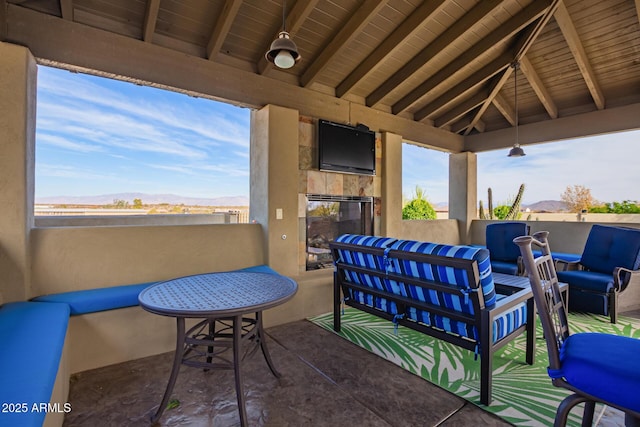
<point>516,151</point>
<point>283,52</point>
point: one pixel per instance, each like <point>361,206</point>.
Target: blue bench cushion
<point>100,299</point>
<point>32,337</point>
<point>611,247</point>
<point>603,365</point>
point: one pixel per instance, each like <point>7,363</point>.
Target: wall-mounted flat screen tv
<point>349,149</point>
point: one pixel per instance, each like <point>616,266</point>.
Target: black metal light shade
<point>516,151</point>
<point>283,52</point>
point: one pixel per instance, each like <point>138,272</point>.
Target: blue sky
<point>99,136</point>
<point>606,164</point>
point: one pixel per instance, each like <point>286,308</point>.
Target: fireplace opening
<point>330,216</point>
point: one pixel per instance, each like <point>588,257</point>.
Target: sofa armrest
<point>623,277</point>
<point>564,265</point>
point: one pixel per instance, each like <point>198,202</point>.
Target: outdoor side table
<point>225,299</point>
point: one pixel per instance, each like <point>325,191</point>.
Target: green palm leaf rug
<point>522,394</point>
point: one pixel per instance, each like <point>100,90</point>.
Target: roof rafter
<point>505,109</point>
<point>538,87</point>
<point>389,45</point>
<point>293,23</point>
<point>461,109</point>
<point>452,33</point>
<point>530,34</point>
<point>222,26</point>
<point>150,19</point>
<point>350,30</point>
<point>575,45</point>
<point>508,29</point>
<point>66,9</point>
<point>480,76</point>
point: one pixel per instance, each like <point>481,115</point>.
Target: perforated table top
<point>217,294</point>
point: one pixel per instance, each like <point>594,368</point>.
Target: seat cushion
<point>603,365</point>
<point>587,280</point>
<point>499,238</point>
<point>32,337</point>
<point>610,247</point>
<point>503,324</point>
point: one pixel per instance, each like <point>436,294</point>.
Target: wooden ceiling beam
<point>638,9</point>
<point>348,32</point>
<point>461,109</point>
<point>505,109</point>
<point>66,9</point>
<point>538,87</point>
<point>3,20</point>
<point>508,29</point>
<point>150,19</point>
<point>522,45</point>
<point>222,27</point>
<point>480,76</point>
<point>293,22</point>
<point>407,28</point>
<point>416,63</point>
<point>575,45</point>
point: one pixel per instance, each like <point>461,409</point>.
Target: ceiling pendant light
<point>516,151</point>
<point>283,52</point>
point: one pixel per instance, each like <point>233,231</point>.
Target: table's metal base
<point>203,345</point>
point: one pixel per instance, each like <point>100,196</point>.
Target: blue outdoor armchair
<point>606,279</point>
<point>504,254</point>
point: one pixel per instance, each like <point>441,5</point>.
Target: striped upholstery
<point>503,324</point>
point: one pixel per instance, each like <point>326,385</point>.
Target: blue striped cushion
<point>446,274</point>
<point>360,259</point>
<point>502,326</point>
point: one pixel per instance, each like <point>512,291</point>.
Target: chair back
<point>609,247</point>
<point>499,240</point>
<point>546,293</point>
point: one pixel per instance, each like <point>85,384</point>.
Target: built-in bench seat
<point>32,338</point>
<point>440,290</point>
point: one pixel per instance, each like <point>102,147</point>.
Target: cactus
<point>514,209</point>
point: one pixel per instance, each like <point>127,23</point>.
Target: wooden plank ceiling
<point>445,63</point>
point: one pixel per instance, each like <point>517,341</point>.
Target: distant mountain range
<point>547,206</point>
<point>147,199</point>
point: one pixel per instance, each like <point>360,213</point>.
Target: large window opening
<point>598,173</point>
<point>108,147</point>
<point>425,175</point>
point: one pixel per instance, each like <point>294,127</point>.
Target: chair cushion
<point>587,280</point>
<point>503,324</point>
<point>100,299</point>
<point>610,247</point>
<point>603,365</point>
<point>504,267</point>
<point>445,274</point>
<point>499,239</point>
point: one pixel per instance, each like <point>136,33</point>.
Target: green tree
<point>418,207</point>
<point>137,203</point>
<point>624,207</point>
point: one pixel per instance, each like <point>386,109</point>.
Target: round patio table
<point>225,301</point>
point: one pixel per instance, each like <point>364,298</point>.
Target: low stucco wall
<point>72,258</point>
<point>440,231</point>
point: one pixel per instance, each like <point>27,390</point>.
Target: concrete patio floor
<point>326,381</point>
